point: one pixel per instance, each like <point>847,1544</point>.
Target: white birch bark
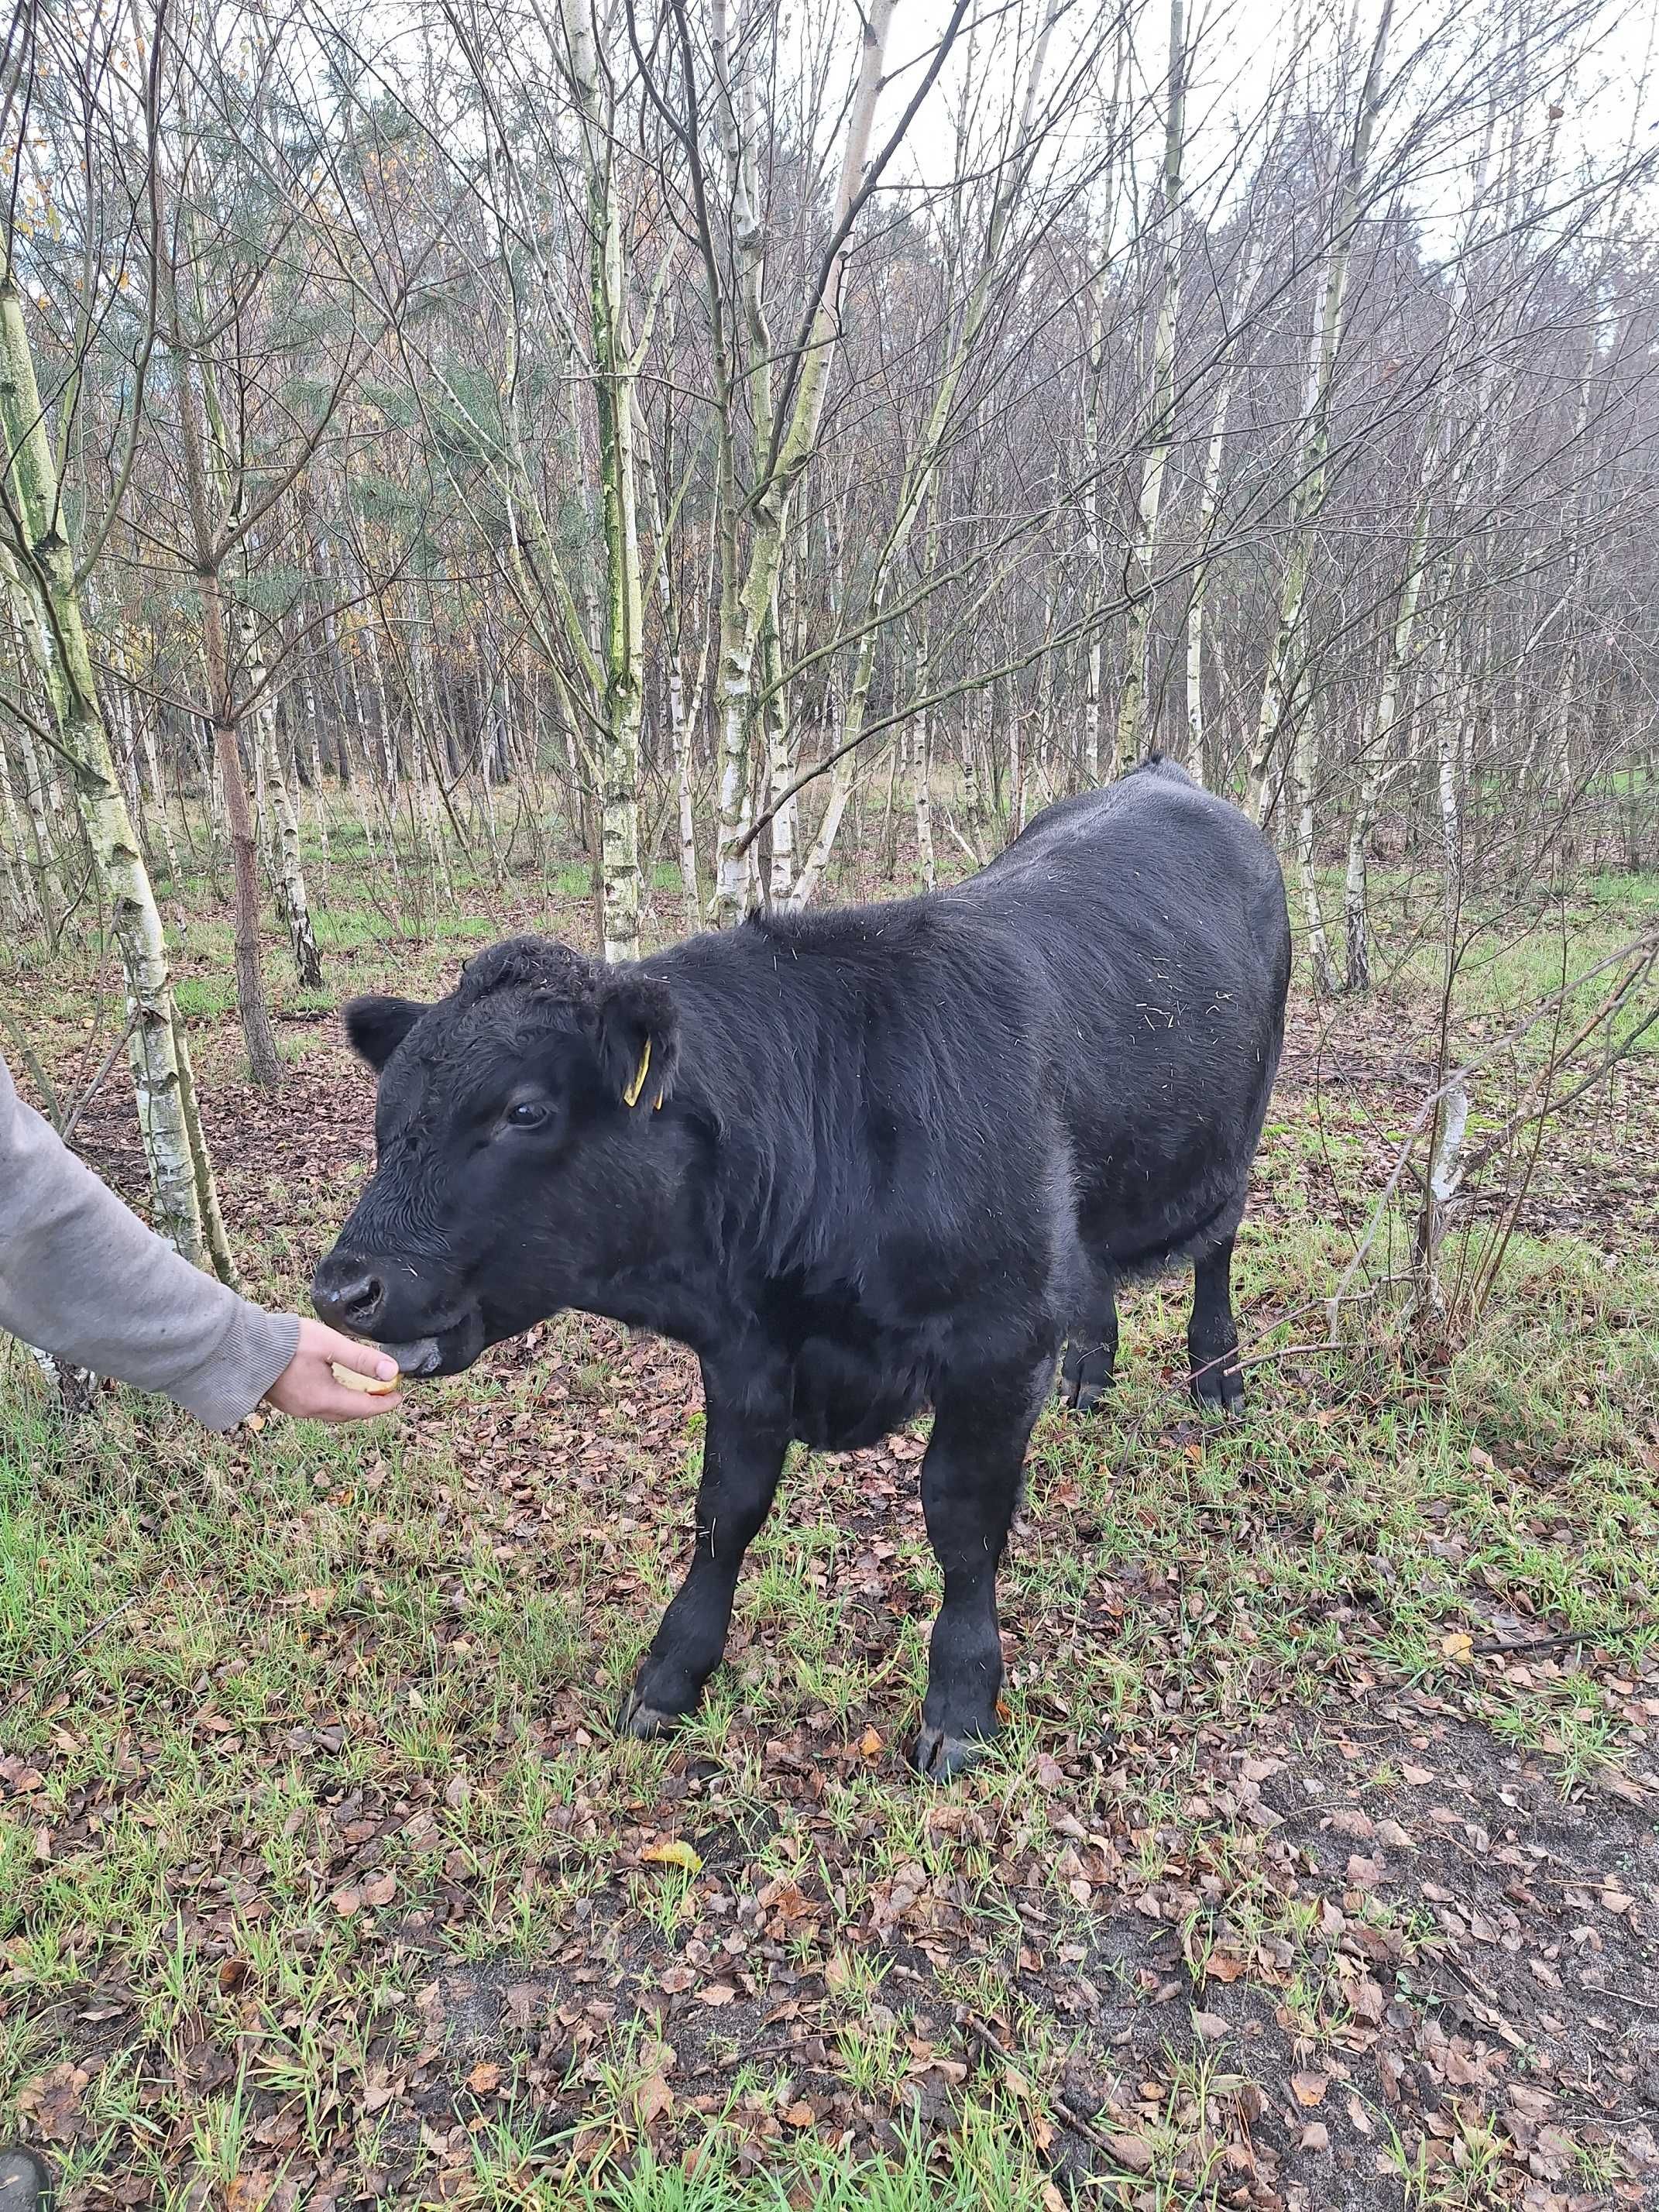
<point>1381,769</point>
<point>1160,430</point>
<point>281,820</point>
<point>1252,262</point>
<point>1308,501</point>
<point>743,603</point>
<point>186,1203</point>
<point>25,906</point>
<point>615,372</point>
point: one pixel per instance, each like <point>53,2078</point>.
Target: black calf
<point>861,1162</point>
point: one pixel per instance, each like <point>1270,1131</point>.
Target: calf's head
<point>518,1166</point>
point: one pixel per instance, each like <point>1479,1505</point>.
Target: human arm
<point>82,1277</point>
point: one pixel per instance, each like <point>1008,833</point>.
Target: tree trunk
<point>1160,434</point>
<point>181,1176</point>
<point>1379,770</point>
<point>1308,501</point>
<point>744,599</point>
<point>283,822</point>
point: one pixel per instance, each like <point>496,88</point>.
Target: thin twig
<point>1492,1646</point>
<point>79,1645</point>
<point>87,1097</point>
<point>1072,2118</point>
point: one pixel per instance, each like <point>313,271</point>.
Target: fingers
<point>367,1359</point>
<point>308,1389</point>
<point>334,1402</point>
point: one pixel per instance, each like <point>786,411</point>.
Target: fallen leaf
<point>1211,2025</point>
<point>485,2079</point>
<point>380,1889</point>
<point>1049,1773</point>
<point>1457,1647</point>
<point>717,1993</point>
<point>674,1853</point>
<point>346,1902</point>
<point>1310,2089</point>
<point>1134,2152</point>
<point>870,1742</point>
<point>1417,1775</point>
<point>1315,2136</point>
<point>653,2099</point>
<point>800,2113</point>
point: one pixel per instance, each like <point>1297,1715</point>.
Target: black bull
<point>859,1162</point>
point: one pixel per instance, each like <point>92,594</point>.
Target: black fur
<point>904,1154</point>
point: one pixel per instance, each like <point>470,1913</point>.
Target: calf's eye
<point>526,1114</point>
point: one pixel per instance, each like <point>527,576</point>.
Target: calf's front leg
<point>969,1485</point>
<point>742,1461</point>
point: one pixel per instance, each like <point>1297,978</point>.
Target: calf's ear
<point>636,1036</point>
<point>375,1028</point>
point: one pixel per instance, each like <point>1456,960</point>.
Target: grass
<point>320,1868</point>
<point>292,1622</point>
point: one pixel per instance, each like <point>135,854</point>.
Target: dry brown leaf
<point>1132,2151</point>
<point>1310,2089</point>
<point>485,2078</point>
<point>799,2114</point>
<point>380,1889</point>
<point>717,1993</point>
<point>653,2099</point>
<point>870,1742</point>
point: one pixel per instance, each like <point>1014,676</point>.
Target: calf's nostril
<point>353,1300</point>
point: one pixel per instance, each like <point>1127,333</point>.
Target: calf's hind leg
<point>1085,1372</point>
<point>741,1464</point>
<point>970,1482</point>
<point>1212,1333</point>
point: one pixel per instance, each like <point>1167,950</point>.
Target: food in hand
<point>353,1381</point>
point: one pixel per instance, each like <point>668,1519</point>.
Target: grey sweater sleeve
<point>82,1278</point>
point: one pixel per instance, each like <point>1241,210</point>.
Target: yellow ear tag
<point>631,1095</point>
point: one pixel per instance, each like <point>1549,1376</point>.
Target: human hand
<point>308,1389</point>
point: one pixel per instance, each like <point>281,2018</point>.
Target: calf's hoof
<point>25,2184</point>
<point>1085,1384</point>
<point>1085,1397</point>
<point>1220,1390</point>
<point>937,1755</point>
<point>634,1717</point>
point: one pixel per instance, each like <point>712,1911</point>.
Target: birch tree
<point>41,562</point>
<point>1280,703</point>
<point>1160,426</point>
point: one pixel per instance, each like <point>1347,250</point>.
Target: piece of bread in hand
<point>353,1381</point>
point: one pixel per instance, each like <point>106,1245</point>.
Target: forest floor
<point>1316,1869</point>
